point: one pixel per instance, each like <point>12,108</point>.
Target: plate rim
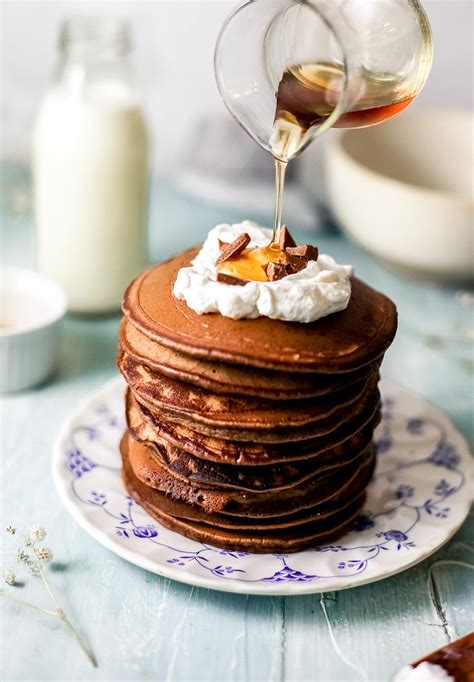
<point>230,585</point>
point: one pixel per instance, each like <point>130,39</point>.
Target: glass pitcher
<point>288,70</point>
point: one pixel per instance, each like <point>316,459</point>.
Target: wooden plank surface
<point>143,627</point>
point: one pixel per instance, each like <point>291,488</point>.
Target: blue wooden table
<point>142,627</point>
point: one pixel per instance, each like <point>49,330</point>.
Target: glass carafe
<point>288,70</point>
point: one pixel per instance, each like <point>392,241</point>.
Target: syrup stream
<point>280,170</point>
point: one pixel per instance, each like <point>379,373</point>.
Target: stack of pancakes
<point>251,435</point>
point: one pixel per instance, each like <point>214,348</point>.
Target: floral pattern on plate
<point>419,496</point>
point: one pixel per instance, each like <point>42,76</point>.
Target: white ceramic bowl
<point>31,308</point>
<point>404,191</point>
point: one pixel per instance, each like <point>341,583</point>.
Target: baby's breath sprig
<point>35,558</point>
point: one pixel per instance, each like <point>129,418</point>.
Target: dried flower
<point>34,566</point>
<point>9,577</point>
<point>22,557</point>
<point>37,534</point>
<point>35,560</point>
<point>44,554</point>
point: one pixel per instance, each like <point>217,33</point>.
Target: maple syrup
<point>308,94</point>
<point>250,264</point>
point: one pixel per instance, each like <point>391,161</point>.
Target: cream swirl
<point>323,287</point>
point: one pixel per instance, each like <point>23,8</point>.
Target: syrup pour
<point>309,93</point>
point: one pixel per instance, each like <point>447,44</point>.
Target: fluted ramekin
<point>31,309</point>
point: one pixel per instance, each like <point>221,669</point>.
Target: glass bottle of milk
<point>90,167</point>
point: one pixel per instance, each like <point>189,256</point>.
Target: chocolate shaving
<point>294,260</point>
<point>234,248</point>
<point>306,251</point>
<point>276,271</point>
<point>285,239</point>
<point>230,279</point>
<point>295,263</point>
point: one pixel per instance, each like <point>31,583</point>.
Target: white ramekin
<point>31,308</point>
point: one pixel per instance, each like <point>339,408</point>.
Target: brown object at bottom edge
<point>456,658</point>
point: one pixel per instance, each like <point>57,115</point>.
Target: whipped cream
<point>321,288</point>
<point>425,672</point>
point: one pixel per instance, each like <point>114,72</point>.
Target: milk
<point>90,166</point>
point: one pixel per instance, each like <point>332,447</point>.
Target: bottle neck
<point>93,51</point>
<point>93,40</point>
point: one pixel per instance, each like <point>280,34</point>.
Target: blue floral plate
<point>419,496</point>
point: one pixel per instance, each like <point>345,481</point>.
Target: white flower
<point>9,577</point>
<point>34,558</point>
<point>22,557</point>
<point>37,534</point>
<point>44,554</point>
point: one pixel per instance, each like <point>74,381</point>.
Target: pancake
<point>316,490</point>
<point>260,478</point>
<point>317,511</point>
<point>253,478</point>
<point>341,342</point>
<point>173,515</point>
<point>255,435</point>
<point>290,521</point>
<point>220,377</point>
<point>236,417</point>
<point>152,427</point>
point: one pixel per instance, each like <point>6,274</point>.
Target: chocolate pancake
<point>255,479</point>
<point>175,515</point>
<point>252,478</point>
<point>318,511</point>
<point>293,521</point>
<point>220,377</point>
<point>249,434</point>
<point>341,342</point>
<point>238,418</point>
<point>150,425</point>
<point>319,489</point>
